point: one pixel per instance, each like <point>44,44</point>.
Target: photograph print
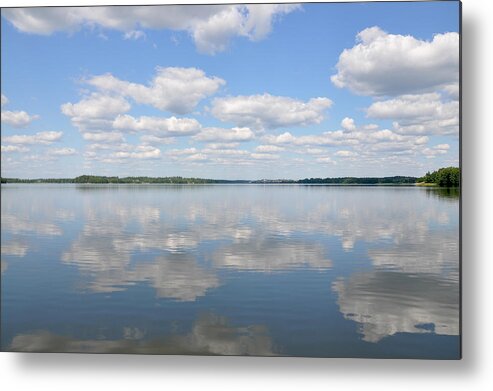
<point>232,179</point>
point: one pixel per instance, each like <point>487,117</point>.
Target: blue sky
<point>276,91</point>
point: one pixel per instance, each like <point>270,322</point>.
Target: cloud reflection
<point>384,303</point>
<point>210,335</point>
<point>20,225</point>
<point>268,253</point>
<point>14,248</point>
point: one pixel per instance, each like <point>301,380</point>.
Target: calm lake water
<point>321,271</point>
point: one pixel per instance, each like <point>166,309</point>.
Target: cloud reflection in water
<point>210,335</point>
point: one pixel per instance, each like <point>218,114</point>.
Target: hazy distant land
<point>445,177</point>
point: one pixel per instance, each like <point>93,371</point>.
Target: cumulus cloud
<point>264,156</point>
<point>333,138</point>
<point>151,139</point>
<point>211,26</point>
<point>134,35</point>
<point>269,112</point>
<point>419,114</point>
<point>390,64</point>
<point>4,100</point>
<point>14,148</point>
<point>173,89</point>
<point>138,152</point>
<point>17,119</point>
<point>326,159</point>
<point>196,157</point>
<point>63,151</point>
<point>268,148</point>
<point>226,145</point>
<point>225,135</point>
<point>344,153</point>
<point>160,126</point>
<point>180,152</point>
<point>361,142</point>
<point>221,154</point>
<point>348,124</point>
<point>38,138</point>
<point>94,114</point>
<point>440,149</point>
<point>118,153</point>
<point>104,137</point>
<point>96,106</point>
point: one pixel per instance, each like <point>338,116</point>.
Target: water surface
<point>325,271</point>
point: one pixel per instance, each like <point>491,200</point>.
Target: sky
<point>230,91</point>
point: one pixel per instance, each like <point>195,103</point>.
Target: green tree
<point>444,177</point>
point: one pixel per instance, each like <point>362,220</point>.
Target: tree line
<point>444,177</point>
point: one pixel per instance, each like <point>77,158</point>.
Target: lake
<point>270,270</point>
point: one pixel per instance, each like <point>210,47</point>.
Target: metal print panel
<point>266,180</point>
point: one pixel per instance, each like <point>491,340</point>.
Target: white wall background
<point>474,372</point>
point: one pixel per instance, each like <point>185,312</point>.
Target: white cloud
<point>214,34</point>
<point>120,153</point>
<point>334,138</point>
<point>63,151</point>
<point>103,137</point>
<point>14,148</point>
<point>253,21</point>
<point>440,149</point>
<point>269,112</point>
<point>344,153</point>
<point>225,152</point>
<point>151,139</point>
<point>312,151</point>
<point>348,124</point>
<point>96,106</point>
<point>363,142</point>
<point>173,89</point>
<point>264,156</point>
<point>387,64</point>
<point>453,90</point>
<point>326,159</point>
<point>4,100</point>
<point>407,106</point>
<point>224,135</point>
<point>268,148</point>
<point>419,114</point>
<point>134,35</point>
<point>140,152</point>
<point>180,152</point>
<point>211,26</point>
<point>38,138</point>
<point>159,126</point>
<point>17,119</point>
<point>196,157</point>
<point>222,145</point>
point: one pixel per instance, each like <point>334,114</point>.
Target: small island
<point>444,177</point>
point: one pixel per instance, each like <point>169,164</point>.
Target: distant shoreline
<point>225,184</point>
<point>92,179</point>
